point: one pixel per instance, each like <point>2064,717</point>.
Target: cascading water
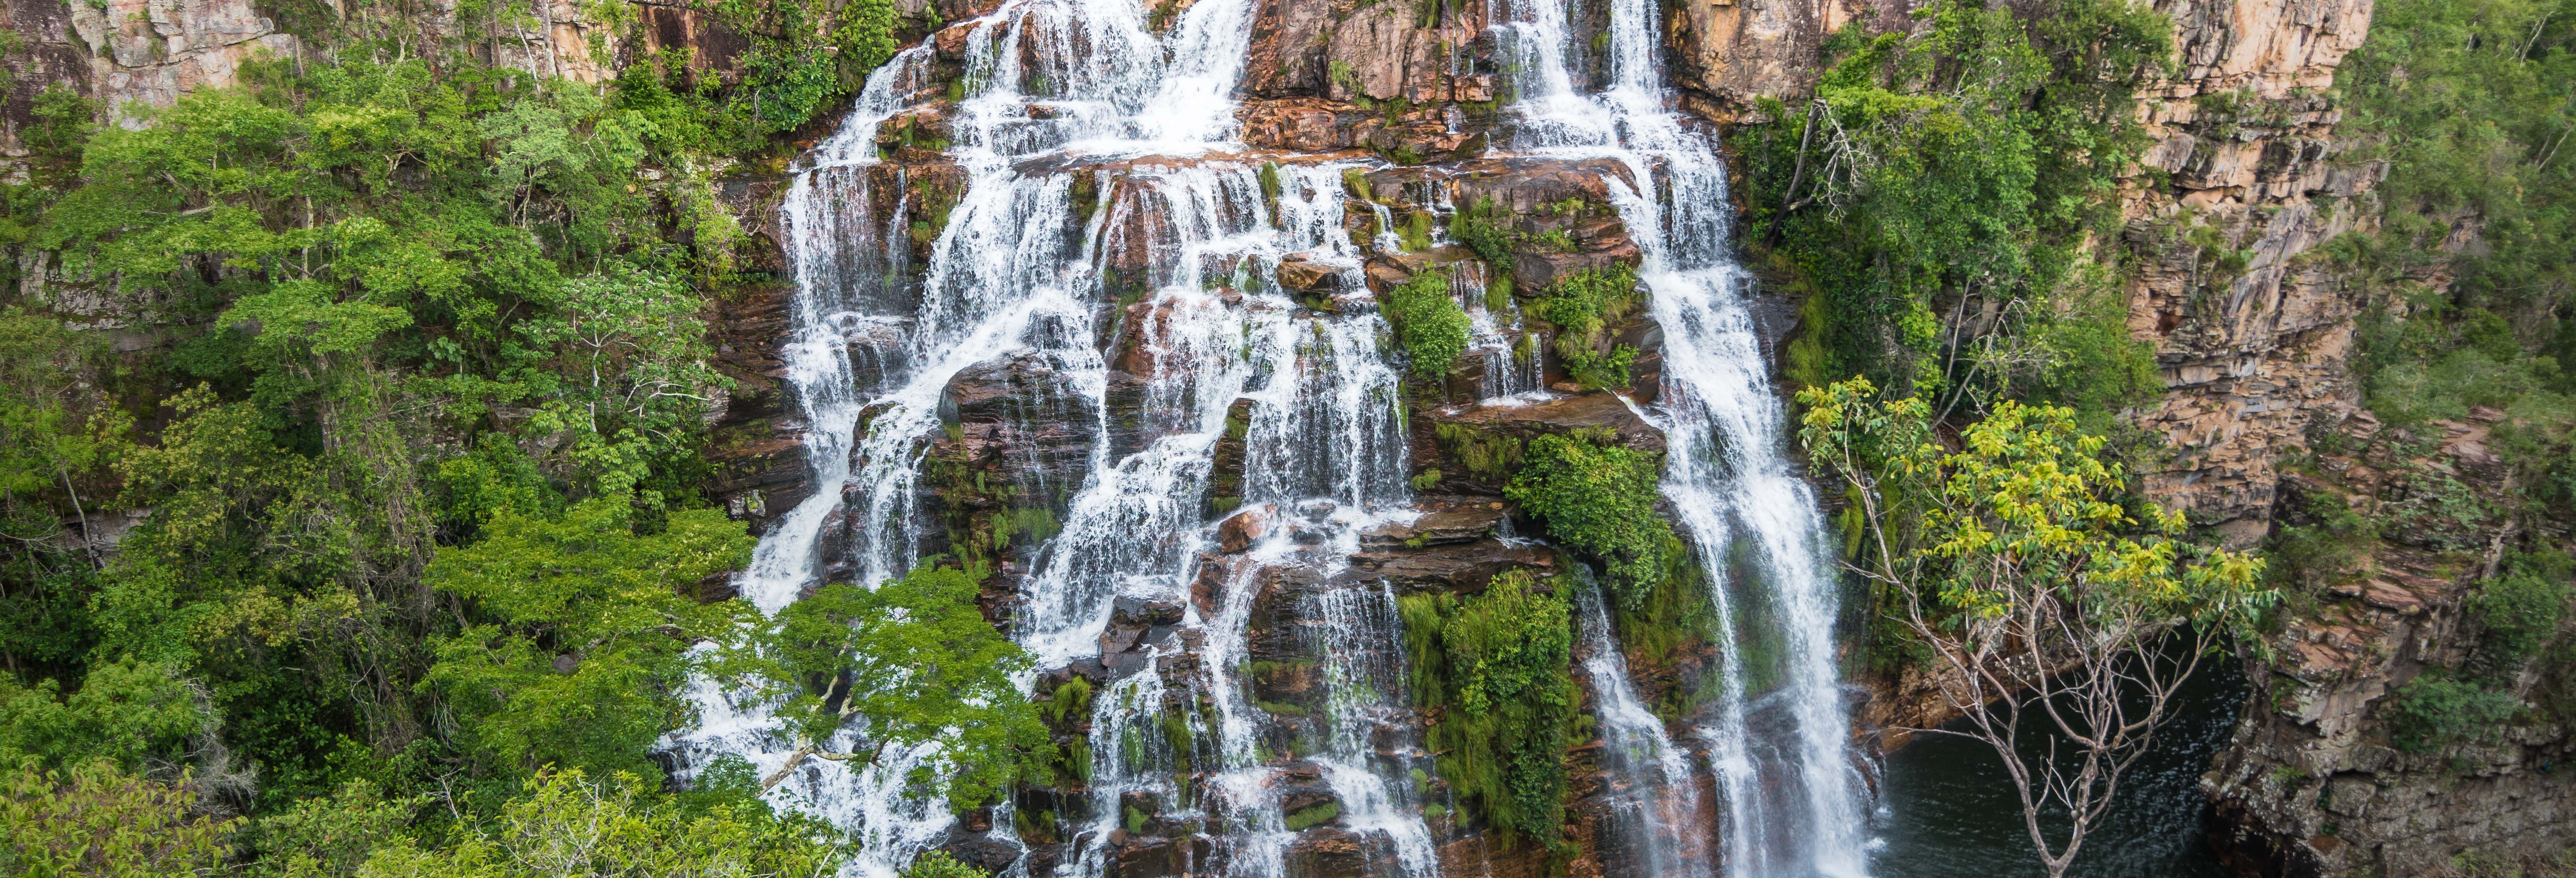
<point>1793,800</point>
<point>1099,200</point>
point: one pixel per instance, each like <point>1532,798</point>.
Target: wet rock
<point>1460,567</point>
<point>1464,523</point>
<point>1145,856</point>
<point>1243,529</point>
<point>1298,273</point>
<point>1334,852</point>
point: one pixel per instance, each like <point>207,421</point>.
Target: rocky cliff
<point>2253,329</point>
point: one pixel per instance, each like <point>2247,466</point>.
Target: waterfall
<point>1104,240</point>
<point>1794,799</point>
<point>1655,803</point>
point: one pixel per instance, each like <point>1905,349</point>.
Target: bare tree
<point>2042,598</point>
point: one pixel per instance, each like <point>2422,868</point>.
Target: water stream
<point>1101,199</point>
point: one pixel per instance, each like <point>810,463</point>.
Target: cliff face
<point>2254,330</point>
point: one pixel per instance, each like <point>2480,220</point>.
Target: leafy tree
<point>577,639</point>
<point>124,712</point>
<point>2014,560</point>
<point>905,664</point>
<point>1967,160</point>
<point>93,819</point>
<point>564,824</point>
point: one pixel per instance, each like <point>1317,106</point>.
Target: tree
<point>910,662</point>
<point>2041,596</point>
<point>96,820</point>
<point>577,641</point>
<point>566,826</point>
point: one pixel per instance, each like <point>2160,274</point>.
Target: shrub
<point>1582,306</point>
<point>1500,665</point>
<point>2521,608</point>
<point>1428,322</point>
<point>1598,498</point>
<point>2433,711</point>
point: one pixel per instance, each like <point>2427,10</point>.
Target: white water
<point>1019,271</point>
<point>1794,802</point>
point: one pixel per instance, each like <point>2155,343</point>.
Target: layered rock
<point>2254,332</point>
<point>2321,777</point>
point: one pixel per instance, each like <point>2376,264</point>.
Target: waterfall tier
<point>1098,298</point>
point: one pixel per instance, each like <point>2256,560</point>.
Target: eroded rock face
<point>2320,779</point>
<point>2254,335</point>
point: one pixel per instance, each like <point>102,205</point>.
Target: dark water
<point>1950,812</point>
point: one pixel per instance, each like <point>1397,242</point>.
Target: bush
<point>1582,306</point>
<point>1428,322</point>
<point>1598,498</point>
<point>2433,711</point>
<point>2522,607</point>
<point>1500,665</point>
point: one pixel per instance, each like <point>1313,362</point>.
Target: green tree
<point>563,824</point>
<point>2016,563</point>
<point>907,663</point>
<point>1966,162</point>
<point>123,712</point>
<point>95,820</point>
<point>576,646</point>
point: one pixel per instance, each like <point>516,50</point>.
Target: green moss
<point>1356,181</point>
<point>1417,232</point>
<point>1598,498</point>
<point>1485,454</point>
<point>1304,818</point>
<point>1276,708</point>
<point>1499,668</point>
<point>1072,698</point>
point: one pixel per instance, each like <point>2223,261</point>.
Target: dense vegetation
<point>411,412</point>
<point>1962,172</point>
<point>2470,304</point>
<point>1499,666</point>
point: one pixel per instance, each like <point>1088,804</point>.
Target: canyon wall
<point>2253,327</point>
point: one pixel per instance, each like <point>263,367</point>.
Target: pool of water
<point>1950,812</point>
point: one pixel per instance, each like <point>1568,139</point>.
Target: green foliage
<point>2433,711</point>
<point>1582,306</point>
<point>327,835</point>
<point>564,824</point>
<point>1598,497</point>
<point>124,712</point>
<point>95,820</point>
<point>1071,699</point>
<point>938,864</point>
<point>914,661</point>
<point>1486,227</point>
<point>1485,455</point>
<point>2465,102</point>
<point>1972,159</point>
<point>2521,607</point>
<point>2026,512</point>
<point>1429,323</point>
<point>575,645</point>
<point>1499,667</point>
